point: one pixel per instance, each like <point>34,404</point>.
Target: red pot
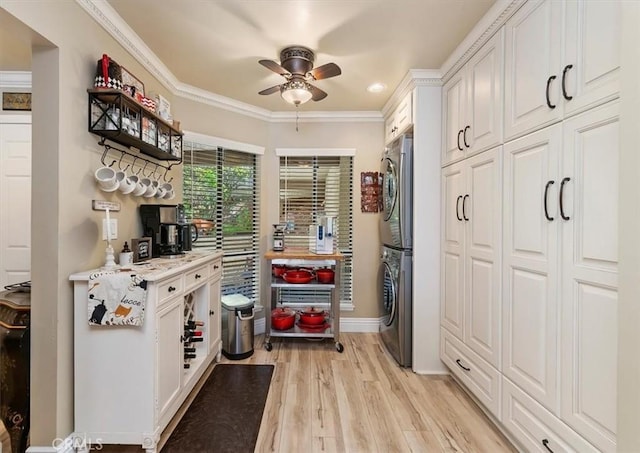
<point>282,318</point>
<point>278,269</point>
<point>325,275</point>
<point>298,276</point>
<point>312,316</point>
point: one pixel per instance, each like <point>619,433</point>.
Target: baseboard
<point>353,325</point>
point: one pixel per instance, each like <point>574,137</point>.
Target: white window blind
<point>313,186</point>
<point>222,197</point>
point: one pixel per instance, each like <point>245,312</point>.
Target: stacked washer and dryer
<point>395,276</point>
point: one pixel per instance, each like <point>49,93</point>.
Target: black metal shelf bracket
<point>142,168</point>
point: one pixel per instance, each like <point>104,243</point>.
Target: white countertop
<point>157,268</point>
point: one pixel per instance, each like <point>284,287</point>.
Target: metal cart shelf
<point>304,258</point>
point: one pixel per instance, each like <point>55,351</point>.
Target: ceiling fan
<point>296,66</point>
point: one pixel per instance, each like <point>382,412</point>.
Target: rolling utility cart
<point>285,294</point>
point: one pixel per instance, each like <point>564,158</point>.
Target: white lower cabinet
<point>130,381</point>
<point>480,377</point>
<point>534,427</point>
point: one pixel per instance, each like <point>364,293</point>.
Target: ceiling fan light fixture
<point>296,92</point>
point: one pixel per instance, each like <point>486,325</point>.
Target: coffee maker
<point>187,232</point>
<point>160,223</point>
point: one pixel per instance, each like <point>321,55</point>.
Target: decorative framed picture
<point>131,84</point>
<point>16,101</point>
<point>141,248</point>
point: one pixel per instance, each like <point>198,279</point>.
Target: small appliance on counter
<point>162,223</point>
<point>278,237</point>
<point>321,236</point>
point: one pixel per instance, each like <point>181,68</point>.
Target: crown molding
<point>412,79</point>
<point>15,79</point>
<point>490,23</point>
<point>108,18</point>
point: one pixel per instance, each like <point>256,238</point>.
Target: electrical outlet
<point>114,229</point>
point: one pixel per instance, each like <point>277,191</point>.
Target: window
<point>222,198</point>
<point>310,187</point>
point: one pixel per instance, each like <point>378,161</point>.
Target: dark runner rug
<point>225,415</point>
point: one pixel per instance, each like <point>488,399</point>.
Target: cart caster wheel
<point>268,346</point>
<point>339,347</point>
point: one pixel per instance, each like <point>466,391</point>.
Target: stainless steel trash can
<point>237,326</point>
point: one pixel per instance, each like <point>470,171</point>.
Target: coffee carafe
<point>160,223</point>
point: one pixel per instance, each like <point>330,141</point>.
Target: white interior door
<point>15,199</point>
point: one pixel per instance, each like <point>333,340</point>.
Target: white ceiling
<point>215,45</point>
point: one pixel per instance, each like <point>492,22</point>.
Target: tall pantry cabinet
<point>556,308</point>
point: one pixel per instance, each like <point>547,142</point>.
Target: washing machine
<point>395,295</point>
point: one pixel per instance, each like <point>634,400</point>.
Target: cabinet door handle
<point>462,366</point>
<point>464,202</point>
<point>546,192</point>
<point>459,134</point>
<point>564,181</point>
<point>171,289</point>
<point>564,82</point>
<point>181,339</point>
<point>549,80</point>
<point>545,442</point>
<point>458,208</point>
<point>198,276</point>
<point>464,136</point>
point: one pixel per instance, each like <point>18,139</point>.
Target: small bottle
<point>126,256</point>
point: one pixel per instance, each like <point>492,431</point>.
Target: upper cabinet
<point>561,58</point>
<point>472,103</point>
<point>399,120</point>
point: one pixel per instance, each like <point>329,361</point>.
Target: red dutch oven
<point>325,275</point>
<point>312,316</point>
<point>278,269</point>
<point>282,318</point>
<point>299,276</point>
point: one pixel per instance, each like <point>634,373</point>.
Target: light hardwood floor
<point>362,401</point>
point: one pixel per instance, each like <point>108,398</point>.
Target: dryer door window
<point>389,188</point>
<point>389,295</point>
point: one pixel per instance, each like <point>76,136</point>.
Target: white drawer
<point>195,277</point>
<point>169,288</point>
<point>216,269</point>
<point>478,376</point>
<point>535,428</point>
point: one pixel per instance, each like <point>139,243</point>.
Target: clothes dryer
<point>395,295</point>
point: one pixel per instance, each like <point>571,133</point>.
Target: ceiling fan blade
<point>270,90</point>
<point>325,71</point>
<point>275,67</point>
<point>316,93</point>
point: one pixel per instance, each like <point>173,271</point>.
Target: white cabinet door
<point>453,105</point>
<point>453,190</point>
<point>530,277</point>
<point>169,354</point>
<point>214,318</point>
<point>400,119</point>
<point>591,69</point>
<point>484,73</point>
<point>532,61</point>
<point>482,212</point>
<point>589,274</point>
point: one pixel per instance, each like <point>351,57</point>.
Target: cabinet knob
<point>198,276</point>
<point>211,312</point>
<point>171,289</point>
<point>215,266</point>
